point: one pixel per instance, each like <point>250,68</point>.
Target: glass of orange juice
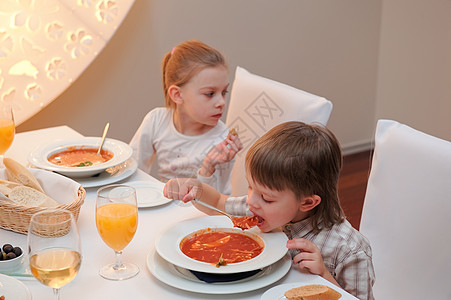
<point>7,129</point>
<point>117,220</point>
<point>54,248</point>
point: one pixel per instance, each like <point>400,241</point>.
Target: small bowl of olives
<point>10,257</point>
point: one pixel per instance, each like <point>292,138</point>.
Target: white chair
<point>407,212</point>
<point>257,104</point>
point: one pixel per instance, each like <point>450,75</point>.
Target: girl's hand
<point>184,189</point>
<point>220,154</point>
<point>310,257</point>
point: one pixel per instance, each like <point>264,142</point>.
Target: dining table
<point>88,284</point>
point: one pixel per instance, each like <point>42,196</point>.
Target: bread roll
<point>17,173</point>
<point>28,196</point>
<point>232,131</point>
<point>312,292</point>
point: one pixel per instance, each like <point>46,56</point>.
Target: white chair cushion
<point>406,213</point>
<point>257,104</point>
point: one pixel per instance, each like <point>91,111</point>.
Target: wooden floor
<point>352,184</point>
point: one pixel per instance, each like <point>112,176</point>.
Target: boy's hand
<point>184,189</point>
<point>220,154</point>
<point>310,257</point>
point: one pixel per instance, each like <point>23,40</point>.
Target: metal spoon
<point>103,137</point>
<point>214,208</point>
<point>237,221</point>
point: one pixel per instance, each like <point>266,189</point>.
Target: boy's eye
<point>266,199</point>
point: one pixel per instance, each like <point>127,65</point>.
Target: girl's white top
<point>179,155</point>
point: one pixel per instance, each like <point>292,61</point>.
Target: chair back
<point>257,104</point>
<point>406,213</point>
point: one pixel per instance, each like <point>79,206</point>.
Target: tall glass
<point>7,129</point>
<point>54,248</point>
<point>117,220</point>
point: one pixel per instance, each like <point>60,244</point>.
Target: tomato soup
<point>221,247</point>
<point>80,157</point>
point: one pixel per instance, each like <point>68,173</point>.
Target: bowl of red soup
<point>211,244</point>
<point>221,246</point>
<point>78,158</point>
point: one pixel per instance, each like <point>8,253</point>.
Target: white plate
<point>167,244</point>
<point>149,193</point>
<point>182,279</point>
<point>39,156</point>
<point>12,288</point>
<point>276,293</point>
<point>110,175</point>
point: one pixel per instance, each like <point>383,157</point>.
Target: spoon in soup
<point>103,137</point>
<point>245,222</point>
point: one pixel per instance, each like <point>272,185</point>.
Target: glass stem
<point>119,265</point>
<point>56,292</point>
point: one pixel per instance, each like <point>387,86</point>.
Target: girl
<point>187,137</point>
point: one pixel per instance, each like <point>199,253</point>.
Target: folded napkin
<point>62,189</point>
<point>212,278</point>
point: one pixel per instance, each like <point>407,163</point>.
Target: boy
<point>292,173</point>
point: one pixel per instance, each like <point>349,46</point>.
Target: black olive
<point>7,248</point>
<point>2,255</point>
<point>17,251</point>
<point>10,255</point>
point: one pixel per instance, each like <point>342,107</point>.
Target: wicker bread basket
<point>17,217</point>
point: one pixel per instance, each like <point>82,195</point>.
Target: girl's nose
<point>221,101</point>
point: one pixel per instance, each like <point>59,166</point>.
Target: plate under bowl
<point>39,156</point>
<point>168,241</point>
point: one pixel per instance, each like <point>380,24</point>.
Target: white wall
<point>329,48</point>
<point>415,65</point>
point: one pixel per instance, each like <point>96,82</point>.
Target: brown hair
<point>305,159</point>
<point>185,61</point>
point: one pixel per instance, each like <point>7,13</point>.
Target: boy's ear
<point>310,202</point>
<point>175,94</point>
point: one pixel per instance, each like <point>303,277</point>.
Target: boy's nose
<point>251,201</point>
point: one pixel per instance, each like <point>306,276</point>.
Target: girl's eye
<point>225,92</point>
<point>211,94</point>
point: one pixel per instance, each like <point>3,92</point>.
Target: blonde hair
<point>185,61</point>
<point>305,159</point>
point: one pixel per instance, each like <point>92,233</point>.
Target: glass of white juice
<point>117,220</point>
<point>54,248</point>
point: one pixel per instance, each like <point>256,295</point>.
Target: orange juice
<point>116,224</point>
<point>6,134</point>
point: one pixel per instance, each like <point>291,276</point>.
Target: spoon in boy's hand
<point>245,222</point>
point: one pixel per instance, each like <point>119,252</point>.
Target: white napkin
<point>60,188</point>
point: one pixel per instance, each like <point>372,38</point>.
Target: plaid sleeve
<point>356,275</point>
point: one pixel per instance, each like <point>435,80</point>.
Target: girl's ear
<point>310,202</point>
<point>175,94</point>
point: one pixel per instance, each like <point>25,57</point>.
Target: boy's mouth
<point>260,220</point>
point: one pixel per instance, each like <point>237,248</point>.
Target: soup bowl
<point>119,150</point>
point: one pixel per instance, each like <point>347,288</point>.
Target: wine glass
<point>7,129</point>
<point>54,248</point>
<point>117,220</point>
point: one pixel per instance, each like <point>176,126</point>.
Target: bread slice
<point>18,173</point>
<point>5,190</point>
<point>312,292</point>
<point>28,196</point>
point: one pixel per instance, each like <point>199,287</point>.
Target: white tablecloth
<point>88,284</point>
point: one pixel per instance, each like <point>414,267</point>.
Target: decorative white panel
<point>46,44</point>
